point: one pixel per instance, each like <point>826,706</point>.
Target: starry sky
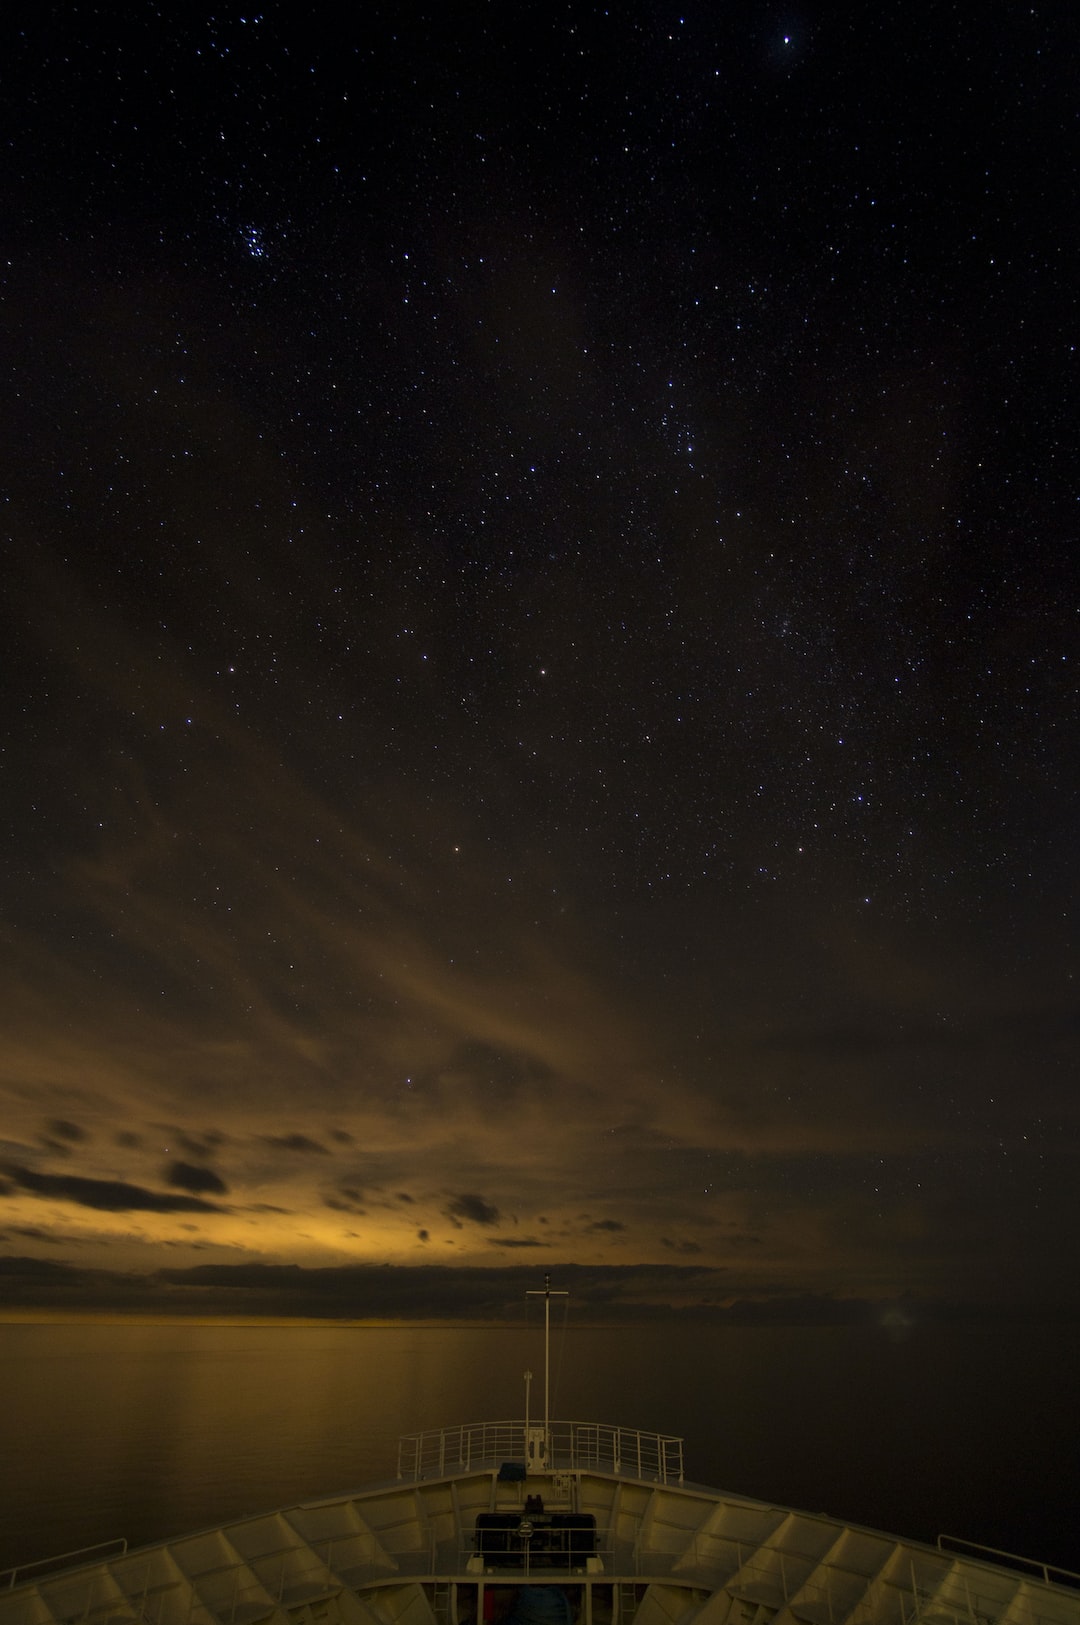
<point>539,655</point>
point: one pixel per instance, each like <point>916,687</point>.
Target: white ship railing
<point>40,1567</point>
<point>572,1447</point>
<point>1050,1572</point>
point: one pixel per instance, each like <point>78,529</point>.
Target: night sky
<point>539,654</point>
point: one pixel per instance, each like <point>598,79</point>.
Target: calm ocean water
<point>147,1431</point>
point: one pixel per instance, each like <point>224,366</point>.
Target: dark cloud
<point>18,1269</point>
<point>201,1146</point>
<point>686,1247</point>
<point>472,1209</point>
<point>55,1148</point>
<point>341,1136</point>
<point>104,1195</point>
<point>344,1199</point>
<point>600,1293</point>
<point>127,1139</point>
<point>433,1290</point>
<point>338,1204</point>
<point>514,1241</point>
<point>188,1176</point>
<point>296,1142</point>
<point>62,1128</point>
<point>606,1224</point>
<point>423,1235</point>
<point>66,1288</point>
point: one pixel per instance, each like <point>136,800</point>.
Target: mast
<point>547,1296</point>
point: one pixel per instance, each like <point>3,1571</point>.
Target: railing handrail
<point>572,1446</point>
<point>8,1579</point>
<point>1047,1570</point>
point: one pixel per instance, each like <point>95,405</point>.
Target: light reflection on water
<point>147,1431</point>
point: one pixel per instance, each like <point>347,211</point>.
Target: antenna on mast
<point>547,1296</point>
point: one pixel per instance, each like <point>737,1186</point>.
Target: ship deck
<point>666,1552</point>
